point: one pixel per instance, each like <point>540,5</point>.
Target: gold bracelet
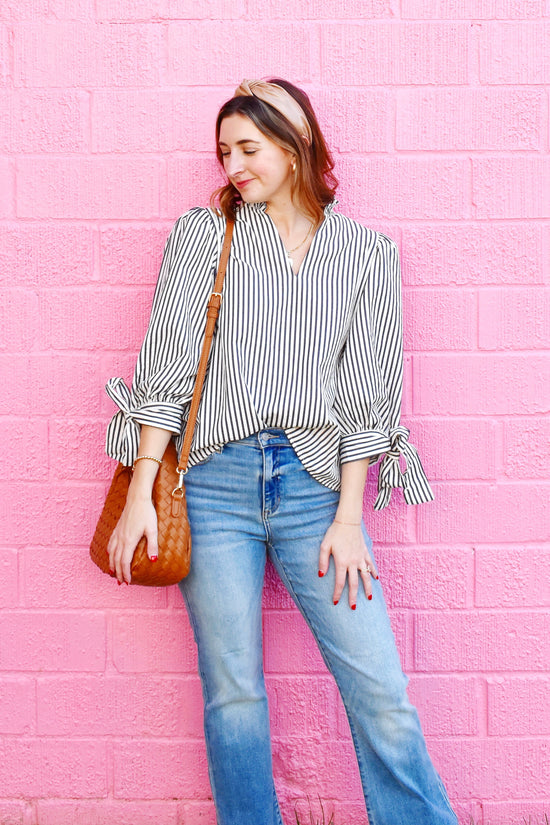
<point>150,457</point>
<point>348,523</point>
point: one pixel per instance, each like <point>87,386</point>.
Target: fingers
<point>324,558</point>
<point>151,534</point>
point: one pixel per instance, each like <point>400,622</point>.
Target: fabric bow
<point>416,488</point>
<point>123,429</point>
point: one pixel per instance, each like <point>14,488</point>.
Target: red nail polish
<point>321,574</point>
<point>370,597</point>
<point>353,606</point>
<point>111,572</point>
<point>154,558</point>
<point>119,583</point>
<point>335,602</point>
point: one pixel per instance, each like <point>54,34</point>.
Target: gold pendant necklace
<point>290,251</point>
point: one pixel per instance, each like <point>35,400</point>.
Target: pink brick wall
<point>438,112</point>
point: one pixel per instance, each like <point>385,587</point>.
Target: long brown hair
<point>313,183</point>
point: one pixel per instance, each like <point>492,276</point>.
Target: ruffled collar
<point>260,206</point>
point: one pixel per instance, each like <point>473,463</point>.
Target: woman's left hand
<point>346,545</point>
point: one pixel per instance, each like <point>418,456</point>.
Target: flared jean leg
<point>399,780</point>
<point>223,596</point>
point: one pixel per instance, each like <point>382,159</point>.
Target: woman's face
<point>259,168</point>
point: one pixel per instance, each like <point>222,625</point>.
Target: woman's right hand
<point>139,518</point>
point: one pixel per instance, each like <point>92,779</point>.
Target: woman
<point>303,392</point>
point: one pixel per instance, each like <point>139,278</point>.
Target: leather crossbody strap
<point>211,317</point>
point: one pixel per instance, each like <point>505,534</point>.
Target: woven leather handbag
<point>168,496</point>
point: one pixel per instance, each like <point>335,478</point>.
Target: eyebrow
<point>240,142</point>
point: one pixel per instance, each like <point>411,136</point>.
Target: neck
<point>287,217</point>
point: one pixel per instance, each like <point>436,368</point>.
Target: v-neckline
<point>283,248</point>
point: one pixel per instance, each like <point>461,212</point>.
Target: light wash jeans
<point>253,497</point>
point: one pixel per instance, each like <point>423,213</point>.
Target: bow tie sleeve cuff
<point>123,432</point>
<point>367,444</point>
<point>415,485</point>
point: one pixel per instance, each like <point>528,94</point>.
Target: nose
<point>234,164</point>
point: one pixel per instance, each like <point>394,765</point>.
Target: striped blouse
<point>317,354</point>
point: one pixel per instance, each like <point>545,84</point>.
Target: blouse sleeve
<point>370,381</point>
<point>165,371</point>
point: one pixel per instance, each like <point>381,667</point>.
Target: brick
<point>518,706</point>
<point>395,525</point>
<point>396,188</point>
<point>83,319</point>
<point>44,121</point>
<point>101,706</point>
<point>322,9</point>
<point>457,449</point>
<point>190,181</point>
<point>426,315</point>
<point>516,52</point>
<point>426,578</point>
<point>132,255</point>
<point>155,120</point>
<point>197,813</point>
<point>309,761</point>
<point>52,641</point>
<point>299,653</point>
<point>465,9</point>
<point>68,188</point>
<point>478,512</point>
<point>447,705</point>
<point>481,384</point>
<point>120,10</point>
<point>511,187</point>
<point>494,769</point>
<point>68,579</point>
<point>73,514</point>
<point>168,9</point>
<point>15,813</point>
<point>80,377</point>
<point>85,55</point>
<point>179,769</point>
<point>469,119</point>
<point>18,314</point>
<point>53,767</point>
<point>29,447</point>
<point>5,55</point>
<point>469,641</point>
<point>283,49</point>
<point>510,813</point>
<point>9,578</point>
<point>20,522</point>
<point>78,450</point>
<point>7,190</point>
<point>337,111</point>
<point>302,706</point>
<point>275,594</point>
<point>46,255</point>
<point>18,706</point>
<point>18,10</point>
<point>106,812</point>
<point>514,319</point>
<point>472,254</point>
<point>137,643</point>
<point>512,576</point>
<point>526,447</point>
<point>396,53</point>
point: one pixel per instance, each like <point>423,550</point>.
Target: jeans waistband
<point>268,437</point>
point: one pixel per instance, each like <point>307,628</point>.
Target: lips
<point>242,183</point>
